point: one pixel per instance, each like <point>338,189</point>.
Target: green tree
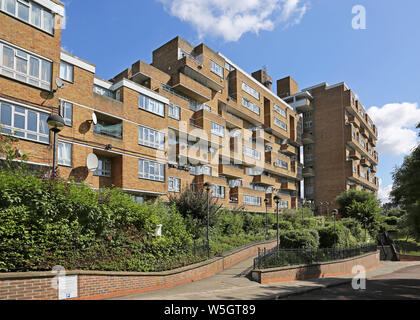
<point>10,152</point>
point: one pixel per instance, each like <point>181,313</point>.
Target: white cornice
<point>77,62</point>
<point>51,5</point>
<point>140,89</point>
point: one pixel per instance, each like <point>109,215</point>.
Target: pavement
<point>233,284</point>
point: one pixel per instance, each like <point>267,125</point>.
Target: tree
<point>10,152</point>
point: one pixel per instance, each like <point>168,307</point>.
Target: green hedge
<point>295,239</point>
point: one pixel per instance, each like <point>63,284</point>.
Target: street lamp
<point>208,186</point>
<point>277,200</point>
<point>321,204</point>
<point>335,212</point>
<point>327,203</point>
<point>365,220</point>
<point>266,218</point>
<point>55,124</point>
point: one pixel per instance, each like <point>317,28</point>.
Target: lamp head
<point>277,199</point>
<point>266,201</point>
<point>55,123</point>
<point>207,186</point>
<point>335,211</point>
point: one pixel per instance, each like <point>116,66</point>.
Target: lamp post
<point>266,217</point>
<point>277,200</point>
<point>327,203</point>
<point>335,212</point>
<point>208,186</point>
<point>321,204</point>
<point>365,220</point>
<point>55,124</point>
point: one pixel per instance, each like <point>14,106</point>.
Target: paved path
<point>231,284</point>
<point>403,284</point>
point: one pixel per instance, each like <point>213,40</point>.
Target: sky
<point>371,45</point>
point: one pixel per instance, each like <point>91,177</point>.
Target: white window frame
<point>252,153</point>
<point>106,169</point>
<point>151,138</point>
<point>174,111</point>
<point>103,92</point>
<point>37,136</point>
<point>64,112</point>
<point>201,170</point>
<point>250,90</point>
<point>60,157</point>
<point>281,164</point>
<point>251,106</point>
<point>174,184</point>
<point>218,191</point>
<point>252,200</point>
<point>280,124</point>
<point>216,68</point>
<point>151,170</point>
<point>26,77</point>
<point>44,15</point>
<point>151,105</point>
<point>217,129</point>
<point>66,71</point>
<point>280,111</point>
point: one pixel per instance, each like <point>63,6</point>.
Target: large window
<point>218,191</point>
<point>66,71</point>
<point>199,170</point>
<point>174,184</point>
<point>280,111</point>
<point>66,111</point>
<point>174,112</point>
<point>217,129</point>
<point>23,66</point>
<point>281,164</point>
<point>64,154</point>
<point>24,123</point>
<point>152,105</point>
<point>252,153</point>
<point>151,170</point>
<point>250,91</point>
<point>252,200</point>
<point>103,92</point>
<point>216,68</point>
<point>110,129</point>
<point>29,12</point>
<point>151,138</point>
<point>251,106</point>
<point>280,124</point>
<point>104,168</point>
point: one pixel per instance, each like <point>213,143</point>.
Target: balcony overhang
<point>191,88</point>
<point>308,172</point>
<point>264,180</point>
<point>201,78</point>
<point>308,138</point>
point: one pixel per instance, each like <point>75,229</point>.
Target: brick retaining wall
<point>101,285</point>
<point>321,270</point>
<point>407,258</point>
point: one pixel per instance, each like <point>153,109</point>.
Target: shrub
<point>340,238</point>
<point>254,223</point>
<point>230,223</point>
<point>295,239</point>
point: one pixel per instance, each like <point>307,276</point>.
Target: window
<point>104,168</point>
<point>284,204</point>
<point>216,68</point>
<point>252,200</point>
<point>251,106</point>
<point>24,123</point>
<point>280,111</point>
<point>66,71</point>
<point>217,129</point>
<point>280,124</point>
<point>200,170</point>
<point>235,183</point>
<point>25,67</point>
<point>152,105</point>
<point>252,153</point>
<point>218,191</point>
<point>251,91</point>
<point>228,67</point>
<point>174,184</point>
<point>308,158</point>
<point>174,112</point>
<point>29,12</point>
<point>196,106</point>
<point>281,164</point>
<point>64,154</point>
<point>103,92</point>
<point>151,170</point>
<point>151,138</point>
<point>307,124</point>
<point>66,111</point>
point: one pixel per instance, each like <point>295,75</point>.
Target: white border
<point>77,62</point>
<point>140,89</point>
<point>54,7</point>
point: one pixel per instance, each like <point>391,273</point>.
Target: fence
<point>289,257</point>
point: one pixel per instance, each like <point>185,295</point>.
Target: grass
<point>410,247</point>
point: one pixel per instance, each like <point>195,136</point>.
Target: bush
<point>340,238</point>
<point>230,223</point>
<point>254,223</point>
<point>299,239</point>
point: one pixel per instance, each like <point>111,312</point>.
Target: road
<point>403,284</point>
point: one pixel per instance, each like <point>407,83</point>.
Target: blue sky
<point>311,40</point>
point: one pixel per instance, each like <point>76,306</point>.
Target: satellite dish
<point>92,162</point>
<point>94,119</point>
<point>60,83</point>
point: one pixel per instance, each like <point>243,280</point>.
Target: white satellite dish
<point>94,119</point>
<point>92,162</point>
<point>60,83</point>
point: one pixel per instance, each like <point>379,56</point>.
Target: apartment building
<point>339,140</point>
<point>189,117</point>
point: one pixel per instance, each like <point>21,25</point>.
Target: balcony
<point>354,143</point>
<point>191,88</point>
<point>192,68</point>
<point>185,152</point>
<point>308,172</point>
<point>262,134</point>
<point>354,121</point>
<point>288,149</point>
<point>364,132</point>
<point>230,171</point>
<point>108,126</point>
<point>364,163</point>
<point>354,155</point>
<point>372,142</point>
<point>308,138</point>
<point>232,121</point>
<point>200,180</point>
<point>303,105</point>
<point>373,168</point>
<point>288,186</point>
<point>264,180</point>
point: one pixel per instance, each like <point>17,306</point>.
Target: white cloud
<point>383,193</point>
<point>231,19</point>
<point>396,124</point>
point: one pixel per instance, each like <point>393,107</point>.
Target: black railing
<point>289,257</point>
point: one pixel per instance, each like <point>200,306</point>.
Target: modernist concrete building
<point>190,116</point>
<point>339,141</point>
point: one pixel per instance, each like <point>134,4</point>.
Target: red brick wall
<point>100,285</point>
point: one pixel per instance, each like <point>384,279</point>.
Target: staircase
<point>388,249</point>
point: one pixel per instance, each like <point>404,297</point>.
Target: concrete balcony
<point>232,121</point>
<point>308,138</point>
<point>200,180</point>
<point>264,180</point>
<point>354,155</point>
<point>354,143</point>
<point>373,168</point>
<point>262,134</point>
<point>303,105</point>
<point>372,142</point>
<point>288,186</point>
<point>185,152</point>
<point>288,149</point>
<point>364,132</point>
<point>364,163</point>
<point>191,88</point>
<point>230,171</point>
<point>354,121</point>
<point>308,172</point>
